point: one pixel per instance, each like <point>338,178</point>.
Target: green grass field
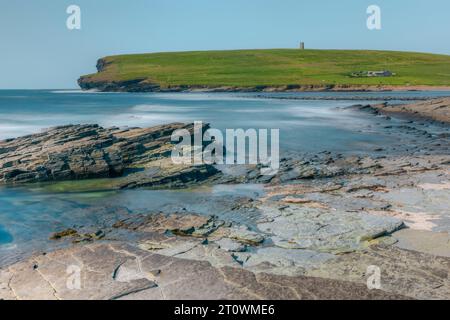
<point>277,67</point>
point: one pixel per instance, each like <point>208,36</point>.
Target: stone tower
<point>302,46</point>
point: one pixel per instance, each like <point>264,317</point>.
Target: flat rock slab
<point>120,271</point>
<point>323,230</point>
<point>410,273</point>
<point>290,241</point>
<point>435,243</point>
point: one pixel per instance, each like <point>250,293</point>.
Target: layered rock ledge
<point>141,157</point>
<point>435,109</point>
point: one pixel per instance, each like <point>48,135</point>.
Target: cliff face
<point>93,82</point>
<point>137,85</point>
<point>144,85</point>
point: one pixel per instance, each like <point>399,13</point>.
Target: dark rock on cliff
<point>135,85</point>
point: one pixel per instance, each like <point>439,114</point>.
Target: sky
<point>38,51</point>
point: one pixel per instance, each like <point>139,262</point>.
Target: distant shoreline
<point>145,87</point>
<point>269,89</point>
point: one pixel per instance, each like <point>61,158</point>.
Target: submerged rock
<point>193,225</point>
<point>183,224</point>
<point>78,237</point>
<point>64,234</point>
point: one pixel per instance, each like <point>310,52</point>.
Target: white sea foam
<point>90,91</point>
<point>190,96</point>
<point>67,91</point>
<point>138,119</point>
<point>163,108</point>
<point>8,131</point>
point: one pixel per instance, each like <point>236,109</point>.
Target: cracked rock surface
<point>119,271</point>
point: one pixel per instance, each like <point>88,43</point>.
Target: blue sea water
<point>5,237</point>
<point>305,125</point>
<point>28,215</point>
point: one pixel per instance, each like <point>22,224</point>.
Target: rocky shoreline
<point>435,110</point>
<point>322,221</point>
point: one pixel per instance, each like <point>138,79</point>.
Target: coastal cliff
<point>269,70</point>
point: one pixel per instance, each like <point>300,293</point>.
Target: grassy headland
<point>277,69</point>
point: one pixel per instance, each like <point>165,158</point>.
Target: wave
<point>163,108</point>
<point>67,91</point>
<point>14,131</point>
<point>201,96</point>
<point>139,120</point>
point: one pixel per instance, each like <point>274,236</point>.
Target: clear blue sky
<point>38,51</point>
